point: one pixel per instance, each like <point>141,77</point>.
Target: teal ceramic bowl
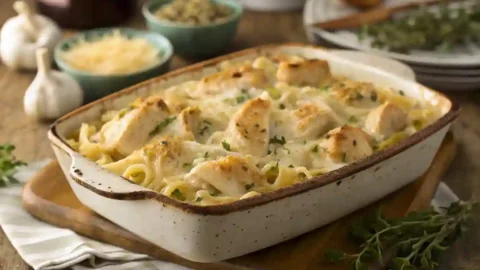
<point>195,41</point>
<point>96,86</point>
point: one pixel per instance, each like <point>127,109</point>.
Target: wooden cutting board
<point>49,198</point>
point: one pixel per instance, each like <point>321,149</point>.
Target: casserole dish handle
<point>97,179</point>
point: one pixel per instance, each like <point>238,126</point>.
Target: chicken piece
<point>359,94</point>
<point>386,120</point>
<point>185,124</point>
<point>347,144</point>
<point>308,72</point>
<point>131,131</point>
<point>311,122</point>
<point>243,77</point>
<point>164,152</point>
<point>232,175</point>
<point>248,131</point>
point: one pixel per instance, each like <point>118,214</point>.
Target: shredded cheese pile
<point>112,54</point>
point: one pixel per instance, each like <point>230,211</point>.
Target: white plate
<point>443,83</point>
<point>384,63</point>
<point>323,10</point>
<point>465,72</point>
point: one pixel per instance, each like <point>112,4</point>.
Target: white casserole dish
<point>219,232</point>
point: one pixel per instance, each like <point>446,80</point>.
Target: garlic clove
<point>52,93</point>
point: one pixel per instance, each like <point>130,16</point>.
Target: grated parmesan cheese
<point>112,54</point>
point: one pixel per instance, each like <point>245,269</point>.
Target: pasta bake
<point>251,128</point>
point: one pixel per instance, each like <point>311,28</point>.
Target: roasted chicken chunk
<point>386,120</point>
<point>309,72</point>
<point>347,144</point>
<point>132,130</point>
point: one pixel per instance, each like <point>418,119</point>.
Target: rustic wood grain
<point>49,197</point>
<point>255,29</point>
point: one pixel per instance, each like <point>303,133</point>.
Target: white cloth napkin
<point>44,246</point>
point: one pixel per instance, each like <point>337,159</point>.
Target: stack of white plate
<point>458,69</point>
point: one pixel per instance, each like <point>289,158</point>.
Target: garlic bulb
<point>52,93</point>
<point>22,35</point>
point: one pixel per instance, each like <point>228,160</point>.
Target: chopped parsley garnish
<point>282,106</point>
<point>187,165</point>
<point>274,93</point>
<point>249,186</point>
<point>417,124</point>
<point>325,88</point>
<point>162,125</point>
<point>358,96</point>
<point>242,98</point>
<point>205,155</point>
<point>401,93</point>
<point>291,166</point>
<point>344,157</point>
<point>276,140</point>
<point>269,152</point>
<point>164,142</point>
<point>352,119</point>
<point>207,122</point>
<point>315,149</point>
<point>198,199</point>
<point>177,194</point>
<point>225,145</point>
<point>374,97</point>
<point>272,173</point>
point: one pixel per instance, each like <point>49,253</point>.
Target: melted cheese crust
<point>250,129</point>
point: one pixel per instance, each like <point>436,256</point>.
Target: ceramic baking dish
<point>219,232</point>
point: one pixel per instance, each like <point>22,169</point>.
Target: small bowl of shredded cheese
<point>196,28</point>
<point>106,60</point>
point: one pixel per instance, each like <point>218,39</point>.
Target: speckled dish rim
<point>166,51</point>
<point>236,7</point>
<point>349,170</point>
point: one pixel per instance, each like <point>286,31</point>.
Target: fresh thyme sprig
<point>8,164</point>
<point>415,241</point>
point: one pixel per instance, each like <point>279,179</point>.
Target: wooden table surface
<point>255,29</point>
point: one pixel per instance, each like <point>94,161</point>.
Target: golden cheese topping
<point>249,129</point>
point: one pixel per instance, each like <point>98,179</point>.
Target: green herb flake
<point>187,165</point>
<point>374,97</point>
<point>401,93</point>
<point>249,186</point>
<point>225,145</point>
<point>353,119</point>
<point>162,125</point>
<point>344,157</point>
<point>325,88</point>
<point>198,199</point>
<point>282,106</point>
<point>177,194</point>
<point>291,166</point>
<point>417,124</point>
<point>8,165</point>
<point>276,140</point>
<point>205,155</point>
<point>274,93</point>
<point>242,98</point>
<point>315,149</point>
